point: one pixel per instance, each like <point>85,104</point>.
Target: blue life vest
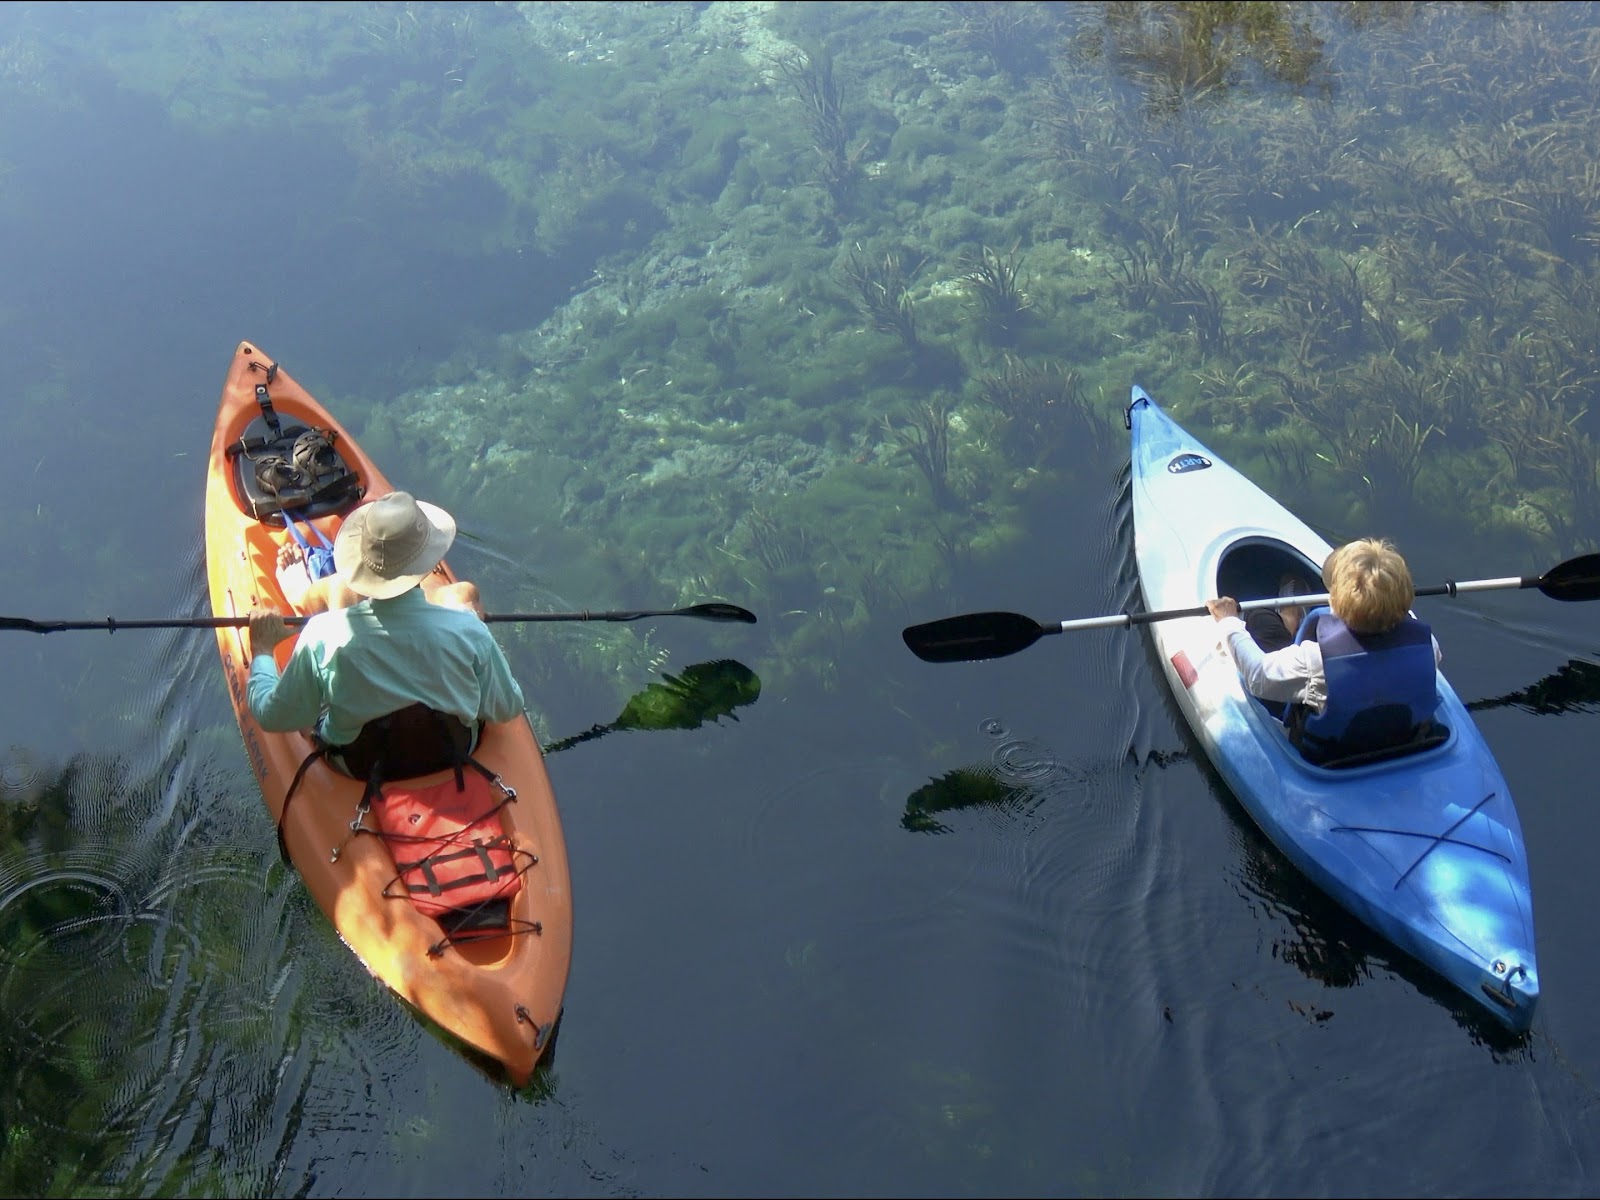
<point>318,559</point>
<point>1382,687</point>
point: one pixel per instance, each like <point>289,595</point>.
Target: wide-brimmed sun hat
<point>390,544</point>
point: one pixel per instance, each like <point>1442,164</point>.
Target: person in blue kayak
<point>1359,676</point>
<point>391,638</point>
<point>1274,628</point>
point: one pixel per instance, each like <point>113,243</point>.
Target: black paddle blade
<point>24,625</point>
<point>1576,579</point>
<point>718,611</point>
<point>973,636</point>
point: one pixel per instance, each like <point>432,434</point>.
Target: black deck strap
<point>283,813</point>
<point>334,485</point>
<point>265,401</point>
<point>485,861</point>
<point>477,849</point>
<point>247,445</point>
<point>374,788</point>
<point>462,931</point>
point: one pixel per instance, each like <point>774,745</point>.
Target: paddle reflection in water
<point>700,693</point>
<point>1014,781</point>
<point>1574,687</point>
<point>1017,778</point>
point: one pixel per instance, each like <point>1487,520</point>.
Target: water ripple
<point>21,777</point>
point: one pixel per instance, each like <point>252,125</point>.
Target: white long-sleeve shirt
<point>1292,675</point>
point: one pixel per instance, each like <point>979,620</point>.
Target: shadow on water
<point>965,788</point>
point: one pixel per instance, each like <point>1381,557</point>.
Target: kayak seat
<point>407,744</point>
<point>453,858</point>
<point>1361,753</point>
<point>291,469</point>
<point>414,741</point>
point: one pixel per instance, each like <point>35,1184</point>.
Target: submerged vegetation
<point>864,286</point>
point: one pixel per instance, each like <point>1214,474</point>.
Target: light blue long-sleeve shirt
<point>354,664</point>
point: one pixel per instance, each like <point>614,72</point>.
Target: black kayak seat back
<point>1375,744</point>
<point>411,742</point>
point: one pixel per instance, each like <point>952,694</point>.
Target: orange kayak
<point>498,997</point>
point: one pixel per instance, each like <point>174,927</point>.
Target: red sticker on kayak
<point>1186,672</point>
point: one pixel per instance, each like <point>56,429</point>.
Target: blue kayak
<point>1423,846</point>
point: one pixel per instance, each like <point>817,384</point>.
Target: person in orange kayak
<point>1360,674</point>
<point>389,635</point>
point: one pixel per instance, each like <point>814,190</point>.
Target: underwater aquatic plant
<point>1376,417</point>
<point>1564,215</point>
<point>1430,204</point>
<point>778,547</point>
<point>810,78</point>
<point>1536,421</point>
<point>1012,36</point>
<point>1088,134</point>
<point>1044,409</point>
<point>1321,297</point>
<point>1183,53</point>
<point>1202,307</point>
<point>926,438</point>
<point>883,293</point>
<point>996,280</point>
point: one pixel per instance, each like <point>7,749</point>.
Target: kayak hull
<point>1427,848</point>
<point>499,998</point>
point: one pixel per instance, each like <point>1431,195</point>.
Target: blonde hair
<point>1369,585</point>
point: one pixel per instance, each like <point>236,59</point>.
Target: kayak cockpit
<point>1254,569</point>
<point>1258,568</point>
<point>1437,740</point>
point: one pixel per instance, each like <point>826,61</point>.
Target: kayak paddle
<point>713,611</point>
<point>996,634</point>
